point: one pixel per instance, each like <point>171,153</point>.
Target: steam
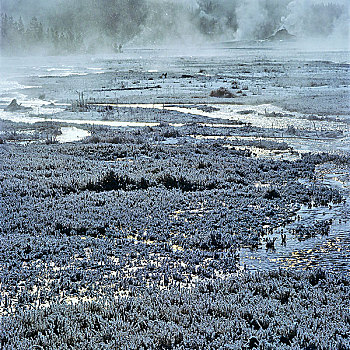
<point>97,24</point>
<point>169,23</point>
<point>251,19</point>
<point>258,19</point>
<point>315,18</point>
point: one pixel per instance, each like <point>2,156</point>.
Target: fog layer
<point>88,25</point>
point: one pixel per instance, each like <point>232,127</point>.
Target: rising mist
<point>87,26</point>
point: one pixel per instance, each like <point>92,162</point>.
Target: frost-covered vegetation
<point>278,310</point>
<point>131,239</point>
<point>44,131</point>
<point>143,236</point>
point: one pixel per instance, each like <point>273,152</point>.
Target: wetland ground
<point>140,211</point>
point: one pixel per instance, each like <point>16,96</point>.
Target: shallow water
<point>331,251</point>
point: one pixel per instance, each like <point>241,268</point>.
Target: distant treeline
<point>86,26</point>
<point>71,26</point>
<point>17,38</point>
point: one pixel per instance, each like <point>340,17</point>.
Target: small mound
<point>222,92</point>
<point>282,35</point>
<point>15,107</point>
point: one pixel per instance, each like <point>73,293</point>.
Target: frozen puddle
<point>267,116</point>
<point>31,119</point>
<point>263,115</point>
<point>72,134</point>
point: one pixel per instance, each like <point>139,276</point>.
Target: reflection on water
<point>331,251</point>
